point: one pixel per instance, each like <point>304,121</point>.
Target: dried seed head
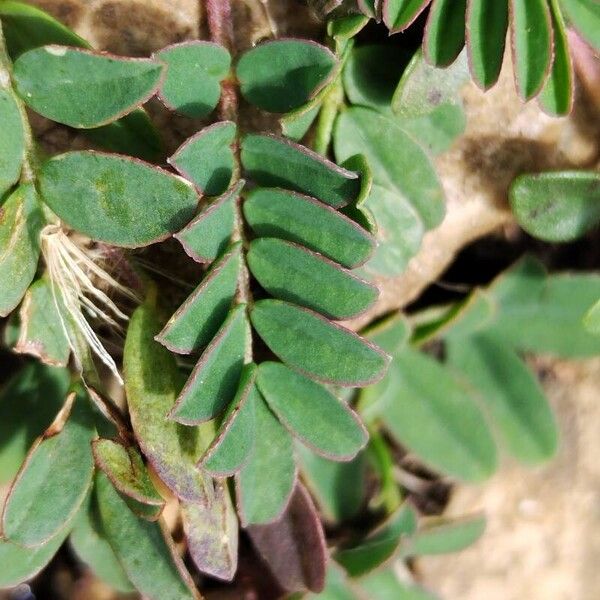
<point>75,277</point>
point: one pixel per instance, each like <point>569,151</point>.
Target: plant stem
<point>383,463</point>
<point>329,110</point>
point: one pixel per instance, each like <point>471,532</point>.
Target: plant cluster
<point>241,408</point>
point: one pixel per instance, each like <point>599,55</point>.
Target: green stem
<point>381,458</point>
<point>332,103</point>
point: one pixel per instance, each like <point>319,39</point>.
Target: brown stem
<point>220,26</point>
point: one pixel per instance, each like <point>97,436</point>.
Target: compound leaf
<point>211,531</point>
<point>54,479</point>
<point>306,221</point>
<point>275,162</point>
<point>235,438</point>
<point>151,383</point>
<point>207,158</point>
<point>21,222</point>
<point>265,483</point>
<point>195,69</point>
<point>557,206</point>
<point>214,380</point>
<point>312,344</point>
<point>199,318</point>
<point>116,199</point>
<point>293,273</point>
<point>281,75</point>
<point>144,549</point>
<point>311,412</point>
<point>83,89</point>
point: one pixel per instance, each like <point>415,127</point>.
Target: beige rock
<point>543,536</point>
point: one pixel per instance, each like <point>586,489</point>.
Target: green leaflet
<point>336,585</point>
<point>26,27</point>
<point>531,39</point>
<point>214,380</point>
<point>558,93</point>
<point>339,488</point>
<point>399,232</point>
<point>116,199</point>
<point>207,236</point>
<point>528,301</point>
<point>399,164</point>
<point>438,420</point>
<point>511,393</point>
<point>195,69</point>
<point>444,537</point>
<point>445,31</point>
<point>306,221</point>
<point>151,384</point>
<point>406,196</point>
<point>20,564</point>
<point>41,333</point>
<point>82,89</point>
<point>265,484</point>
<point>28,404</point>
<point>311,412</point>
<point>557,206</point>
<point>312,344</point>
<point>423,88</point>
<point>584,16</point>
<point>12,140</point>
<point>21,221</point>
<point>281,75</point>
<point>487,23</point>
<point>126,470</point>
<point>211,531</point>
<point>234,442</point>
<point>199,318</point>
<point>384,584</point>
<point>275,162</point>
<point>207,158</point>
<point>400,14</point>
<point>347,26</point>
<point>380,545</point>
<point>144,549</point>
<point>88,540</point>
<point>293,546</point>
<point>54,478</point>
<point>293,273</point>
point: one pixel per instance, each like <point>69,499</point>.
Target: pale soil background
<point>543,537</point>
